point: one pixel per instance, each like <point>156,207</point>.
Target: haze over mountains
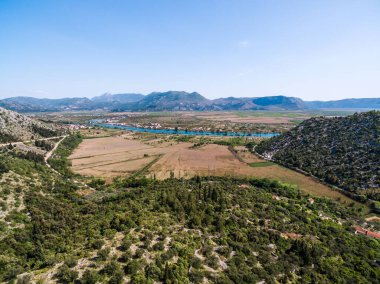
<point>179,101</point>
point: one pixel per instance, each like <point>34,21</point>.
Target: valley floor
<point>109,157</point>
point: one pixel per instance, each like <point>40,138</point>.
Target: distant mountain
<point>183,101</point>
<point>371,103</point>
<point>344,151</point>
<point>29,104</point>
<point>178,101</point>
<point>262,103</point>
<point>117,98</point>
<point>169,101</point>
<point>17,127</point>
<point>105,101</point>
<point>280,102</point>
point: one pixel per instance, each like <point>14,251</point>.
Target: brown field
<point>210,159</point>
<point>252,117</point>
<point>263,120</point>
<point>122,156</point>
<point>109,157</point>
<point>247,156</point>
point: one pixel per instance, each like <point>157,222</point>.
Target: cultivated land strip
<point>183,160</point>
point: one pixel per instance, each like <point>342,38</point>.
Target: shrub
<point>66,275</point>
<point>103,254</point>
<point>89,277</point>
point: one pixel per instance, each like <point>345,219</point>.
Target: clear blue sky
<point>315,50</point>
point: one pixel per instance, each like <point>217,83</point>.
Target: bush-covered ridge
<point>343,151</point>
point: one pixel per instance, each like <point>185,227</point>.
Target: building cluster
<point>362,231</point>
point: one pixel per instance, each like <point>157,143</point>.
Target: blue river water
<point>185,132</point>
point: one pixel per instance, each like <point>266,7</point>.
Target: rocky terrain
<point>343,151</point>
<point>18,127</point>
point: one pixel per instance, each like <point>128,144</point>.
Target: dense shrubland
<point>174,231</point>
<point>343,151</point>
<point>180,231</point>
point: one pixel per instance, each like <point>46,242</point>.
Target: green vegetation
<point>44,144</point>
<point>235,141</point>
<point>226,230</point>
<point>261,164</point>
<point>343,151</point>
<point>3,167</point>
<point>59,161</point>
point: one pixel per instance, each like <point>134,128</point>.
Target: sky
<point>314,50</point>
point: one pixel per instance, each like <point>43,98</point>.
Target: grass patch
<point>261,164</point>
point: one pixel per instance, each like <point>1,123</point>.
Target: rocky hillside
<point>168,101</point>
<point>18,127</point>
<point>343,151</point>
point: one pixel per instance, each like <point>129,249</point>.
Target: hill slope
<point>371,103</point>
<point>171,100</point>
<point>17,127</point>
<point>29,104</point>
<point>344,151</point>
<point>263,103</point>
<point>215,230</point>
<point>117,98</point>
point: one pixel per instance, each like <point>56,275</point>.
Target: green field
<point>261,164</point>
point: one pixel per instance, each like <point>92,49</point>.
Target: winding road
<point>48,154</point>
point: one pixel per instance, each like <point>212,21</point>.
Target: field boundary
<point>350,195</point>
<point>113,163</point>
<point>145,169</point>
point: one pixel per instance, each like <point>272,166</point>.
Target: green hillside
<point>55,228</point>
<point>343,151</point>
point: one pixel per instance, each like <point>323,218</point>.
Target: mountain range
<point>178,101</point>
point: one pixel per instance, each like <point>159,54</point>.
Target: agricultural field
<point>249,121</point>
<point>257,117</point>
<point>161,158</point>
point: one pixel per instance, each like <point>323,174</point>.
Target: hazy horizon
<point>313,50</point>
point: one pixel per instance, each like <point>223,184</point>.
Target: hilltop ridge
<point>343,151</point>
